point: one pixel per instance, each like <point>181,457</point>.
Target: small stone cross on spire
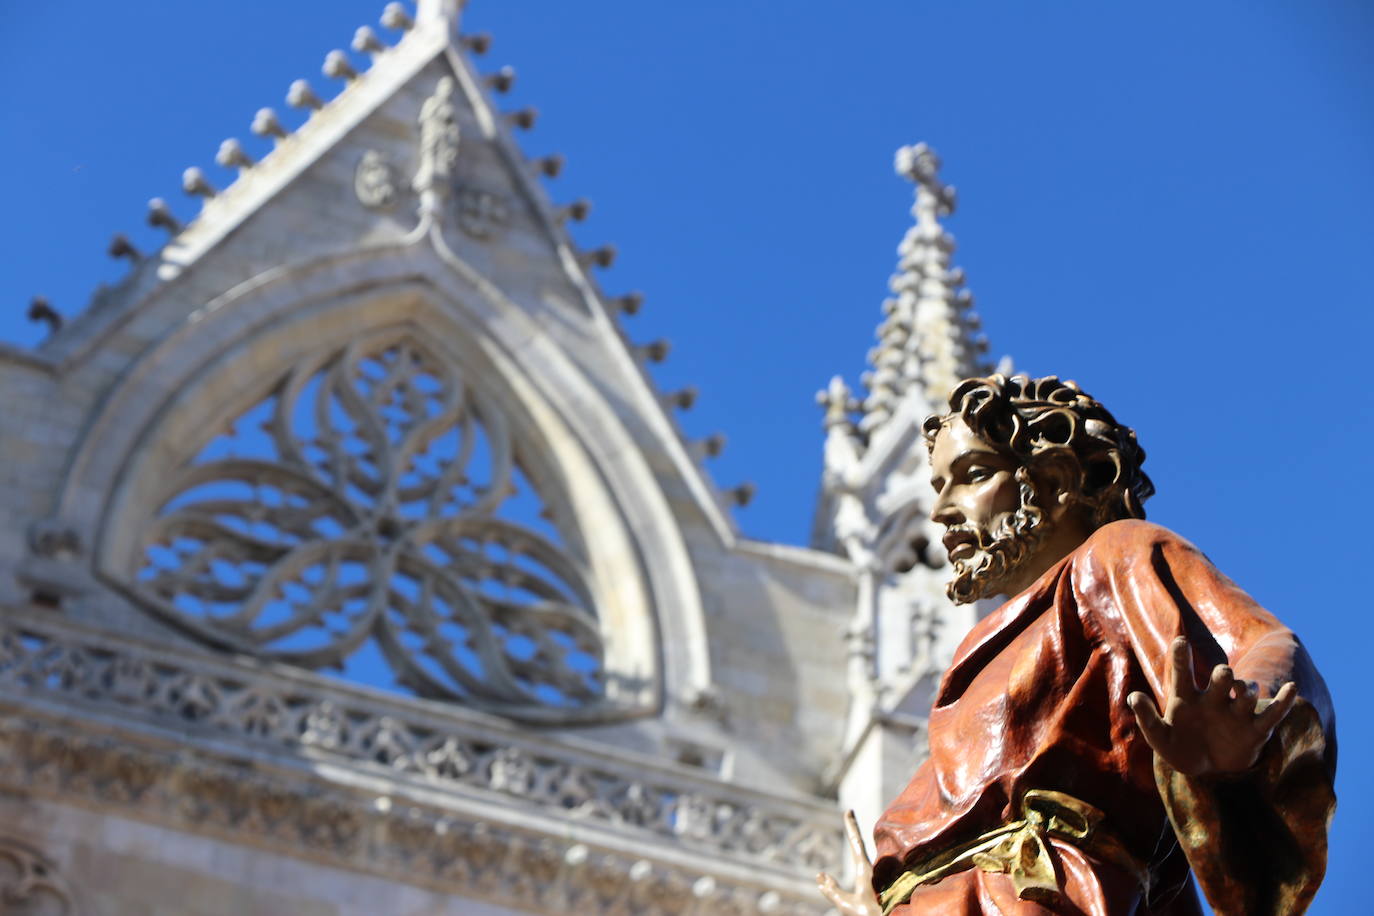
<point>934,199</point>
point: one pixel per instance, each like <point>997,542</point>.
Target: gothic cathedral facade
<point>353,564</point>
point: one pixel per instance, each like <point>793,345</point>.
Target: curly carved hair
<point>1031,419</point>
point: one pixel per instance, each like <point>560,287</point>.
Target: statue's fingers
<point>1247,695</point>
<point>1270,717</point>
<point>1154,728</point>
<point>830,888</point>
<point>857,850</point>
<point>1182,682</point>
<point>1219,687</point>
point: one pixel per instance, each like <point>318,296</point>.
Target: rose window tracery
<point>370,514</point>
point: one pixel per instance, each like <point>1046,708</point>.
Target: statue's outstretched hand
<point>861,900</point>
<point>1218,730</point>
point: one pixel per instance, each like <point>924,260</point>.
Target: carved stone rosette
<point>374,181</point>
<point>482,214</point>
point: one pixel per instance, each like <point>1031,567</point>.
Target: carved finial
<point>682,399</point>
<point>741,495</point>
<point>603,256</point>
<point>121,247</point>
<point>710,447</point>
<point>630,303</point>
<point>924,343</point>
<point>837,401</point>
<point>265,124</point>
<point>524,118</point>
<point>577,211</point>
<point>655,351</point>
<point>300,95</point>
<point>551,165</point>
<point>337,66</point>
<point>920,164</point>
<point>365,41</point>
<point>477,44</point>
<point>193,181</point>
<point>394,16</point>
<point>160,215</point>
<point>231,155</point>
<point>40,309</point>
<point>502,80</point>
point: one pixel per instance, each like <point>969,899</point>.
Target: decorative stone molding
<point>30,884</point>
<point>51,537</point>
<point>298,814</point>
<point>52,572</point>
<point>482,214</point>
<point>263,712</point>
<point>374,181</point>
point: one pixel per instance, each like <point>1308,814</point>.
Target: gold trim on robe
<point>1021,850</point>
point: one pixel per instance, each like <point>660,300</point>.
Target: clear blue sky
<point>1170,202</point>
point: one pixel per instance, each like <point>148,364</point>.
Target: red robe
<point>1036,699</point>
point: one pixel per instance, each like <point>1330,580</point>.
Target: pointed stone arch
<point>622,565</point>
<point>366,497</point>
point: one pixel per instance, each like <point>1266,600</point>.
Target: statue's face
<point>975,487</point>
<point>990,525</point>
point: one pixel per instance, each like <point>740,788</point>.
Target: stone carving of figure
<point>1127,716</point>
<point>438,139</point>
<point>373,181</point>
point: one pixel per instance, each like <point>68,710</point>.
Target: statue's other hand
<point>860,901</point>
<point>1217,730</point>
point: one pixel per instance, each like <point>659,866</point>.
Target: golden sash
<point>1019,850</point>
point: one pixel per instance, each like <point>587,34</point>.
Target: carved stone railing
<point>281,713</point>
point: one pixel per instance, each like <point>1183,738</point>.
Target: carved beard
<point>999,552</point>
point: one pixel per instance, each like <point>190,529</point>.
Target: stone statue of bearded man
<point>1127,716</point>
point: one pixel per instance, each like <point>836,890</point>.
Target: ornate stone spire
<point>926,339</point>
<point>876,500</point>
